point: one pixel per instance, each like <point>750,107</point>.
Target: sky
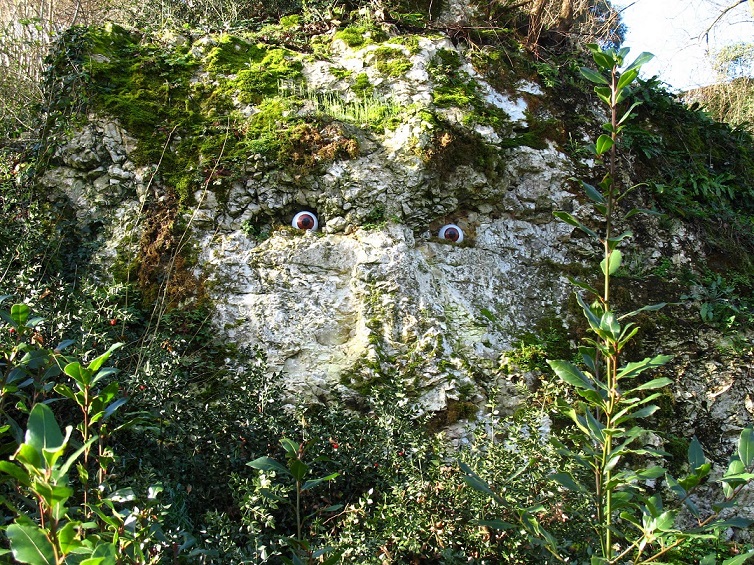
<point>673,30</point>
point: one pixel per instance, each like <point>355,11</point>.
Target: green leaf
<point>53,453</point>
<point>653,384</point>
<point>641,413</point>
<point>113,407</point>
<point>696,454</point>
<point>495,524</point>
<point>19,313</point>
<point>637,367</point>
<point>603,59</point>
<point>627,78</point>
<point>291,447</point>
<point>665,521</point>
<point>43,432</point>
<point>593,194</point>
<point>613,260</point>
<point>108,552</point>
<point>571,374</point>
<point>604,143</point>
<point>63,344</point>
<point>596,427</point>
<point>21,476</point>
<point>75,455</point>
<point>570,220</point>
<point>566,480</point>
<point>104,372</point>
<point>29,544</point>
<point>734,522</point>
<point>628,112</point>
<point>605,94</point>
<point>583,286</point>
<point>268,464</point>
<point>28,456</point>
<point>614,241</point>
<point>594,321</point>
<point>78,373</point>
<point>593,76</point>
<point>95,365</point>
<point>642,59</point>
<point>609,325</point>
<point>67,538</point>
<point>651,473</point>
<point>298,468</point>
<point>314,482</point>
<point>746,446</point>
<point>650,308</point>
<point>476,483</point>
<point>65,390</point>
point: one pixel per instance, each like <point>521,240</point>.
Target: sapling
<point>297,469</point>
<point>631,522</point>
<point>47,529</point>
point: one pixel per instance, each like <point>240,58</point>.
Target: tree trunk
<point>565,17</point>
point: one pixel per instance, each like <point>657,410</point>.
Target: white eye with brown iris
<point>305,221</point>
<point>451,232</point>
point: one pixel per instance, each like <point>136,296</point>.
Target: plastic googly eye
<point>305,221</point>
<point>451,232</point>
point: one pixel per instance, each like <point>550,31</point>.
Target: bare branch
<point>724,13</point>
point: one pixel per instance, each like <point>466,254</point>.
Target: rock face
<point>375,295</point>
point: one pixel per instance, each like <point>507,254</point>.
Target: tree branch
<point>725,12</point>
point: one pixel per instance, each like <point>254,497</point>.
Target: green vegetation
<point>391,61</point>
<point>631,522</point>
<point>198,454</point>
<point>356,36</point>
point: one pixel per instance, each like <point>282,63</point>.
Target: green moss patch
<point>360,35</point>
<point>203,129</point>
<point>391,61</point>
<point>456,88</point>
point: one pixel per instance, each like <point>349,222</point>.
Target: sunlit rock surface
<point>374,296</point>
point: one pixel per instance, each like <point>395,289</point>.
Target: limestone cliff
<point>194,152</point>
